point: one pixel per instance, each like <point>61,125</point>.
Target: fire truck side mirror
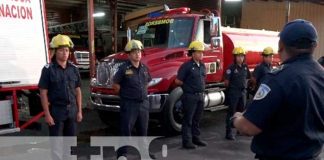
<point>215,42</point>
<point>214,27</point>
<point>215,32</point>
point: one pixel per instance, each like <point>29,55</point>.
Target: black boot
<point>199,142</point>
<point>229,135</point>
<point>188,145</point>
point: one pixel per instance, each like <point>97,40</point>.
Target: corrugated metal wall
<point>271,15</point>
<point>196,5</point>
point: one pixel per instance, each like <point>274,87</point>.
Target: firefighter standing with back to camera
<point>236,78</point>
<point>131,82</point>
<point>286,116</point>
<point>191,77</point>
<point>60,90</point>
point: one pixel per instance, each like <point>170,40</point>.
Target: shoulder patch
<point>228,71</point>
<point>47,66</point>
<point>262,92</point>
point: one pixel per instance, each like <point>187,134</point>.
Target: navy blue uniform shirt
<point>237,77</point>
<point>192,76</point>
<point>60,83</point>
<point>133,81</point>
<point>289,109</point>
<point>260,71</point>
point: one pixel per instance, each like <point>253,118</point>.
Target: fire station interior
<point>71,17</point>
<point>112,23</point>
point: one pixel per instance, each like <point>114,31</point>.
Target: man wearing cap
<point>263,68</point>
<point>236,78</point>
<point>60,90</point>
<point>131,83</point>
<point>286,116</point>
<point>191,77</point>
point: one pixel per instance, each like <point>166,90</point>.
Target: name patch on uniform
<point>262,92</point>
<point>129,72</point>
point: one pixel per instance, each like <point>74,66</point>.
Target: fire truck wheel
<point>109,118</point>
<point>172,113</point>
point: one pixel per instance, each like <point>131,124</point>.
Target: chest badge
<point>129,72</point>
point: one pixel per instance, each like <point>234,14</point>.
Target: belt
<point>62,106</point>
<point>133,100</point>
<point>197,93</point>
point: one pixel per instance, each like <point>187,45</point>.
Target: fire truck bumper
<point>112,102</point>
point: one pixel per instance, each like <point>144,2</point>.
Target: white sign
<point>23,42</point>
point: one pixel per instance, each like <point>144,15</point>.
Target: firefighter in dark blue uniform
<point>263,68</point>
<point>60,90</point>
<point>131,82</point>
<point>287,112</point>
<point>236,78</point>
<point>191,77</point>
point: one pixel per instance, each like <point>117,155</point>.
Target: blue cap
<point>299,33</point>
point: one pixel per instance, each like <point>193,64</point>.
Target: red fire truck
<point>166,39</point>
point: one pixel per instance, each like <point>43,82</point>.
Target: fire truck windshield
<point>169,33</point>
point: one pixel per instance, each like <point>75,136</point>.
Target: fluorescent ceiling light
<point>99,14</point>
<point>233,0</point>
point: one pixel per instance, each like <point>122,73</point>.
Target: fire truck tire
<point>109,118</point>
<point>170,124</point>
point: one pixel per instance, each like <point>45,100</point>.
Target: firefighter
<point>60,90</point>
<point>263,68</point>
<point>191,77</point>
<point>236,78</point>
<point>287,112</point>
<point>131,83</point>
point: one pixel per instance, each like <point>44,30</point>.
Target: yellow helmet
<point>133,44</point>
<point>196,46</point>
<point>60,41</point>
<point>267,51</point>
<point>238,51</point>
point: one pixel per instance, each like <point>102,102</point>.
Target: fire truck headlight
<point>154,82</point>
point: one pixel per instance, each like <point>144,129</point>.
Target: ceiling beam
<point>130,3</point>
<point>68,1</point>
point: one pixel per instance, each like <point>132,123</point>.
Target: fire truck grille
<point>106,72</point>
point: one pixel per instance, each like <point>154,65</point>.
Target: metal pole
<point>91,38</point>
<point>219,7</point>
<point>287,10</point>
<point>113,11</point>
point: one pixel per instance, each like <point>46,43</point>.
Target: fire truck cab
<point>166,39</point>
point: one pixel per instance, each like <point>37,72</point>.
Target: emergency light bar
<point>182,10</point>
